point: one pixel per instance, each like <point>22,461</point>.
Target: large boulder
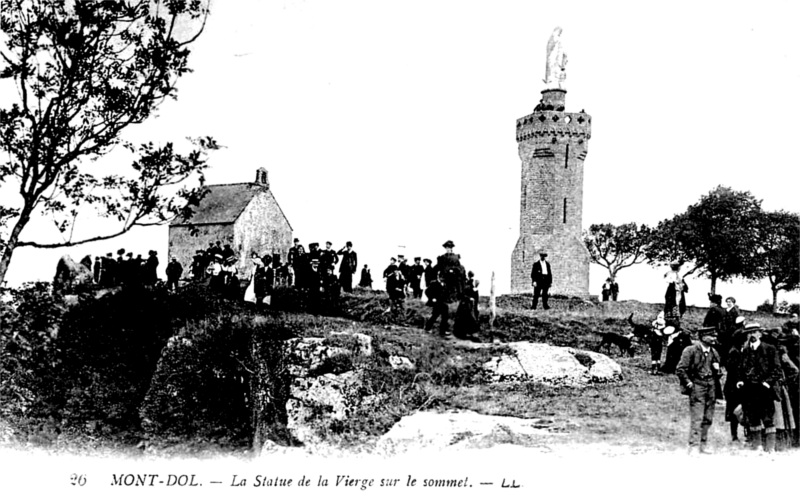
<point>321,386</point>
<point>456,430</point>
<point>71,275</point>
<point>318,402</point>
<point>553,365</point>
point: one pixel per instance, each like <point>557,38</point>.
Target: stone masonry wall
<point>552,149</point>
<point>261,228</point>
<point>183,243</point>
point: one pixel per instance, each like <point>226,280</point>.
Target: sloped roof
<point>222,204</point>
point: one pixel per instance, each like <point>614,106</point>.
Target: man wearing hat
<point>453,274</point>
<point>759,376</point>
<point>296,259</point>
<point>174,271</point>
<point>348,266</point>
<point>415,274</point>
<point>328,257</point>
<point>542,279</point>
<point>698,372</point>
<point>733,365</point>
<point>109,276</point>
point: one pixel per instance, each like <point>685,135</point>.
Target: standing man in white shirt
<point>542,279</point>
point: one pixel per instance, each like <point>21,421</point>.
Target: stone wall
<point>183,242</point>
<point>552,149</point>
<point>261,228</point>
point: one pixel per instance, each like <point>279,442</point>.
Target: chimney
<point>261,177</point>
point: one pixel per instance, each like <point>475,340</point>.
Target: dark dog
<point>610,339</point>
<point>641,331</point>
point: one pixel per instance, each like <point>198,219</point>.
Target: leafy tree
<point>84,71</point>
<point>717,236</point>
<point>778,252</point>
<point>617,247</point>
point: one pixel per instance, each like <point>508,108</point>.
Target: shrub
<point>29,319</point>
<point>201,384</point>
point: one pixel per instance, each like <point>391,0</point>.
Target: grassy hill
<point>88,376</point>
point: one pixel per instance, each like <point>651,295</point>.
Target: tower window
<point>566,157</point>
<point>565,210</point>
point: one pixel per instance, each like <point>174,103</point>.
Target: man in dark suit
<point>542,279</point>
<point>698,372</point>
<point>760,374</point>
<point>348,266</point>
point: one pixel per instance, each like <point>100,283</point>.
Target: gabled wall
<point>261,228</point>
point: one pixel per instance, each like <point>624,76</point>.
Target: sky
<point>392,124</point>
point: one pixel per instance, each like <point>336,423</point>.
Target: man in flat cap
<point>760,374</point>
<point>542,279</point>
<point>453,277</point>
<point>453,273</point>
<point>698,372</point>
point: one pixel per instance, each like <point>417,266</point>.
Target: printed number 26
<point>77,479</point>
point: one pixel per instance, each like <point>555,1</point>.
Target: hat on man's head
<point>449,244</point>
<point>543,254</point>
<point>753,326</point>
<point>349,243</point>
<point>705,331</point>
<point>296,240</point>
<point>715,298</point>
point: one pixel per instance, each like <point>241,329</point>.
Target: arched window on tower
<point>565,210</point>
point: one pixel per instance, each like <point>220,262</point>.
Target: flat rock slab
<point>553,365</point>
<point>456,430</point>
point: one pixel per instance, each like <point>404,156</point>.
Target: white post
<point>492,304</point>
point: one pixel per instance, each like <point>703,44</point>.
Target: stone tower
<point>552,148</point>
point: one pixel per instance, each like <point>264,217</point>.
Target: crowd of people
<point>450,291</point>
<point>125,269</point>
<point>760,368</point>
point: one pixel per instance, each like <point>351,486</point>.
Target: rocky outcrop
<point>401,363</point>
<point>320,386</point>
<point>456,430</point>
<point>71,275</point>
<point>553,365</point>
